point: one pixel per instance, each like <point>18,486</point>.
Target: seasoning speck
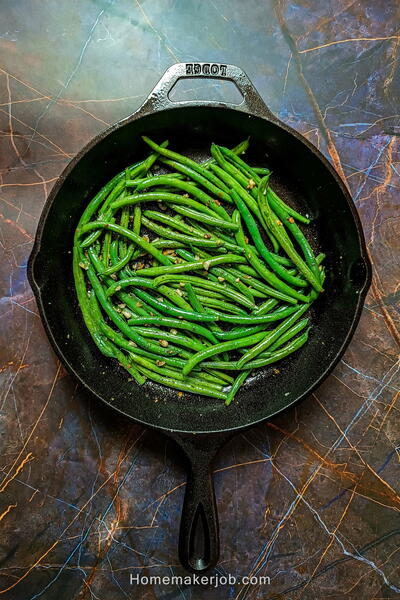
<point>206,264</point>
<point>163,343</point>
<point>83,266</point>
<point>251,184</point>
<point>160,363</point>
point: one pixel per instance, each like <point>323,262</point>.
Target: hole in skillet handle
<point>199,529</point>
<point>211,90</point>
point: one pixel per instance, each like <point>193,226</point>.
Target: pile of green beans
<point>192,274</point>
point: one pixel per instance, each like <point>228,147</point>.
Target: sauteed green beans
<point>195,274</point>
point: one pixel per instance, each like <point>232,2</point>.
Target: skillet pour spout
<point>201,425</point>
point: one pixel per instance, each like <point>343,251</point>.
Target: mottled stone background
<point>87,498</point>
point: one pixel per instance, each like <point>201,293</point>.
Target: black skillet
<point>305,178</point>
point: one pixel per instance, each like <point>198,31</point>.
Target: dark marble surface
<point>310,500</point>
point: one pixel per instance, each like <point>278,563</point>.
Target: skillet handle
<point>199,531</point>
<point>159,97</point>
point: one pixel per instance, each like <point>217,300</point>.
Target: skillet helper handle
<point>159,97</point>
<point>199,531</point>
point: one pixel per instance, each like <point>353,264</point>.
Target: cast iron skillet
<point>198,424</point>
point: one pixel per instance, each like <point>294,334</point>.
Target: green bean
<point>220,274</point>
<point>165,371</point>
<point>83,299</point>
<point>198,388</point>
<point>262,249</point>
<point>202,355</point>
<point>240,164</point>
<point>261,170</point>
<point>288,335</point>
<point>239,381</point>
<point>244,177</point>
<point>105,251</point>
<point>297,234</point>
<point>110,192</point>
<point>261,362</point>
<point>117,338</point>
<point>172,310</point>
<point>223,289</point>
<point>206,219</point>
<point>191,266</point>
<point>119,321</point>
<point>116,183</point>
<point>255,319</point>
<point>184,160</point>
<point>181,237</point>
<point>200,179</point>
<point>166,219</point>
<point>291,211</point>
<point>255,283</point>
<point>198,307</point>
<point>108,348</point>
<point>193,299</point>
<point>239,149</point>
<point>235,179</point>
<point>259,266</point>
<point>205,291</point>
<point>117,266</point>
<point>279,354</point>
<point>284,241</point>
<point>174,175</point>
<point>178,340</point>
<point>239,332</point>
<point>189,188</point>
<point>124,222</point>
<point>131,301</point>
<point>174,324</point>
<point>252,172</point>
<point>222,305</point>
<point>137,216</point>
<point>272,336</point>
<point>259,285</point>
<point>135,281</point>
<point>131,235</point>
<point>180,226</point>
<point>265,307</point>
<point>236,334</point>
<point>162,196</point>
<point>246,181</point>
<point>216,316</point>
<point>223,235</point>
